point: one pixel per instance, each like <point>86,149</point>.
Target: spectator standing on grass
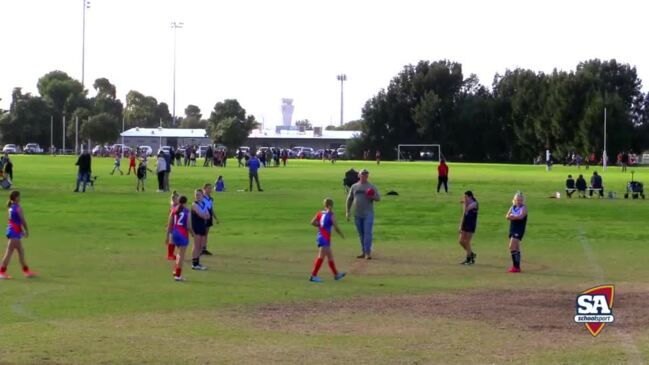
<point>179,156</point>
<point>9,169</point>
<point>548,160</point>
<point>580,184</point>
<point>240,158</point>
<point>284,156</point>
<point>169,160</point>
<point>625,160</point>
<point>442,175</point>
<point>209,156</point>
<point>361,198</point>
<point>188,152</point>
<point>570,186</point>
<point>253,167</point>
<point>161,168</point>
<point>85,169</point>
<point>596,183</point>
<point>378,157</point>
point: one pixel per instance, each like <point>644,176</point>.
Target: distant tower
<point>287,112</point>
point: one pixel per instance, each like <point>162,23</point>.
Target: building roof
<point>255,134</point>
<point>294,134</point>
<point>164,132</point>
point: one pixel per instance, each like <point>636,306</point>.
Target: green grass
<point>105,292</point>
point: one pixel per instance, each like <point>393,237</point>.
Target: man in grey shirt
<point>362,196</point>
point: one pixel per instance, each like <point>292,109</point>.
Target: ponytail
<point>181,204</point>
<point>12,198</point>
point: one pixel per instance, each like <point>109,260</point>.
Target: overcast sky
<point>260,51</point>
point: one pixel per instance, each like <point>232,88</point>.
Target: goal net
<point>419,152</point>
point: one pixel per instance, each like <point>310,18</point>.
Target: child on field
<point>118,161</point>
<point>168,239</point>
<point>16,230</point>
<point>324,221</point>
<point>179,231</point>
<point>219,186</point>
<point>141,176</point>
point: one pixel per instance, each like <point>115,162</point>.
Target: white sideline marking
<point>635,357</point>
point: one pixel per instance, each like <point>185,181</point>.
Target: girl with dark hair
<point>16,230</point>
<point>468,225</point>
<point>179,230</point>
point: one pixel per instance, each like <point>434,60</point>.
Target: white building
<point>157,137</point>
<point>317,138</point>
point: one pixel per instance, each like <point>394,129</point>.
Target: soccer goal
<point>419,152</point>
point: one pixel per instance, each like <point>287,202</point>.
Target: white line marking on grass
<point>635,357</point>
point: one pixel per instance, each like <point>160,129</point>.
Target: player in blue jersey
<point>324,221</point>
<point>517,216</point>
<point>209,206</point>
<point>468,225</point>
<point>199,214</point>
<point>16,230</point>
<point>179,231</point>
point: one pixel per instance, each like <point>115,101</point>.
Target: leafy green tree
<point>304,123</point>
<point>229,125</point>
<point>102,128</point>
<point>63,93</point>
<point>192,118</point>
<point>28,120</point>
<point>142,111</point>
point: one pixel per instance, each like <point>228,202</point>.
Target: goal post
<point>419,152</point>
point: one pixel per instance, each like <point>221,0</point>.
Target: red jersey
<point>442,169</point>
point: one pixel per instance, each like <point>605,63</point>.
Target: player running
<point>468,225</point>
<point>179,231</point>
<point>199,215</point>
<point>118,163</point>
<point>517,216</point>
<point>324,220</point>
<point>16,230</point>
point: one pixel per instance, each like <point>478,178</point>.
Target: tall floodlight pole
<point>342,78</point>
<point>86,5</point>
<point>175,26</point>
<point>604,163</point>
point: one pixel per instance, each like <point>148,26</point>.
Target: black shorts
<point>516,235</point>
<point>469,227</point>
<point>199,227</point>
<point>209,223</point>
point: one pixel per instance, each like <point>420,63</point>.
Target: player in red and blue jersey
<point>16,230</point>
<point>324,221</point>
<point>179,230</point>
<point>171,248</point>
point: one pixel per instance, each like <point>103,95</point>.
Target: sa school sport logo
<point>595,308</point>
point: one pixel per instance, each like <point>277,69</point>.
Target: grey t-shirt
<point>358,199</point>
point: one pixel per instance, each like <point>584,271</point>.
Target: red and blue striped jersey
<point>325,222</point>
<point>15,224</point>
<point>180,225</point>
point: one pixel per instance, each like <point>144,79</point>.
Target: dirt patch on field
<point>538,311</point>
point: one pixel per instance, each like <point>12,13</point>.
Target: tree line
<point>30,117</point>
<point>522,114</point>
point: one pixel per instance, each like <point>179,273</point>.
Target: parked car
<point>121,147</point>
<point>341,151</point>
<point>10,148</point>
<point>32,148</point>
<point>303,152</point>
<point>146,150</point>
<point>100,150</point>
<point>202,150</point>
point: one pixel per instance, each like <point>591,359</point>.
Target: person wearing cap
<point>362,196</point>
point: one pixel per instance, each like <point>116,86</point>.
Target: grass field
<point>105,294</point>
